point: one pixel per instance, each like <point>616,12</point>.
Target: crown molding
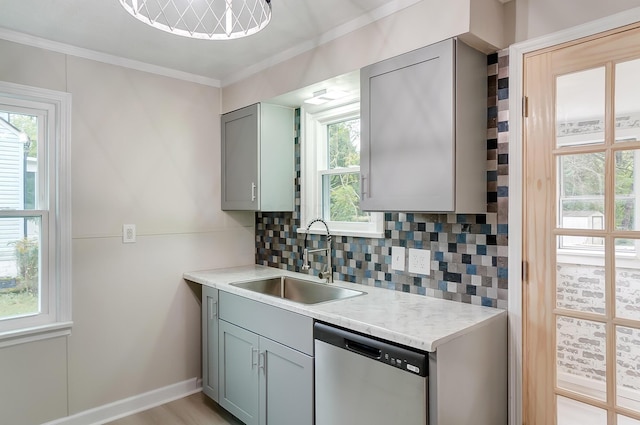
<point>67,49</point>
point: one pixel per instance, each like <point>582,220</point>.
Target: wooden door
<point>581,300</point>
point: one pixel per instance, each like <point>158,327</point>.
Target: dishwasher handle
<point>363,349</point>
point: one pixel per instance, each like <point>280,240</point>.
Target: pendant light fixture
<point>203,19</point>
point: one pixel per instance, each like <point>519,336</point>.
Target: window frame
<point>313,149</point>
<point>54,320</point>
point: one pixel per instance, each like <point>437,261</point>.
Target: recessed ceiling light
<point>324,96</point>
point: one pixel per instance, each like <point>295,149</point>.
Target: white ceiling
<point>104,26</point>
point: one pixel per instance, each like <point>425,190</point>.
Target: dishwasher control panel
<point>409,360</point>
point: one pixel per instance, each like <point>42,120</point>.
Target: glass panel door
<point>596,284</point>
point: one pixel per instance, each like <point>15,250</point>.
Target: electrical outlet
<point>397,258</point>
<point>128,233</point>
<point>420,261</point>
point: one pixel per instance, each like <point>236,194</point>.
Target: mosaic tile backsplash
<point>468,252</point>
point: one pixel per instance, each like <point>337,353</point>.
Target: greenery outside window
<point>35,242</point>
<point>330,157</point>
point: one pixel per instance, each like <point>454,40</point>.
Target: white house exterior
<point>11,194</point>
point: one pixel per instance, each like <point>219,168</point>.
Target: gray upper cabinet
<point>423,131</point>
<point>258,158</point>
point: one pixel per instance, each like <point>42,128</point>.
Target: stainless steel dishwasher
<point>363,381</point>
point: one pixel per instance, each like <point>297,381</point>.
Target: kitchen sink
<point>298,290</point>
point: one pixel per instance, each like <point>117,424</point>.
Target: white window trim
<point>57,321</point>
<point>312,127</point>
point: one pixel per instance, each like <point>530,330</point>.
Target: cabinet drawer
<point>291,329</point>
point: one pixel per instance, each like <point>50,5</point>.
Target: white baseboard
<point>128,406</point>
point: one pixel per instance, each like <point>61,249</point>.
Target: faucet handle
<point>305,261</point>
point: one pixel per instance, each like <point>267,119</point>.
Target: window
<point>35,240</point>
<point>330,153</point>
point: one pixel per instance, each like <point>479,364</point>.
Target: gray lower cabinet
<point>210,342</point>
<point>263,382</point>
<point>239,352</point>
<point>265,362</point>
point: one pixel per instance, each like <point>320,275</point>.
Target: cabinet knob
<point>253,191</point>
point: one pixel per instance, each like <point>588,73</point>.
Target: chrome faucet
<point>326,273</point>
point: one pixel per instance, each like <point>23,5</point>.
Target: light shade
<point>204,19</point>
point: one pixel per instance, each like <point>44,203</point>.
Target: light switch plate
<point>397,258</point>
<point>420,261</point>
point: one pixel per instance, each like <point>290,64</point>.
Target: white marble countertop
<point>413,320</point>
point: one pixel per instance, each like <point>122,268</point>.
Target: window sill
<point>24,336</point>
<point>339,232</point>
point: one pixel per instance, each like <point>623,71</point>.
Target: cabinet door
<point>286,385</point>
<point>240,147</point>
<point>239,372</point>
<point>407,145</point>
<point>210,342</point>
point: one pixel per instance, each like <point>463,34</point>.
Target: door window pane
<point>581,189</point>
<point>572,412</point>
<point>580,99</point>
<point>627,101</point>
<point>626,181</point>
<point>625,420</point>
<point>581,356</point>
<point>627,279</point>
<point>628,367</point>
<point>19,266</point>
<point>580,281</point>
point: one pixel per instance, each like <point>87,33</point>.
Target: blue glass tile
<point>503,94</point>
<point>461,218</point>
<point>481,249</point>
<point>410,217</point>
<point>438,227</point>
<point>492,175</point>
<point>487,302</point>
<point>503,229</point>
<point>471,269</point>
<point>503,273</point>
<point>461,238</point>
<point>387,216</point>
<point>503,126</point>
<point>442,285</point>
<point>417,244</point>
<point>422,291</point>
<point>438,256</point>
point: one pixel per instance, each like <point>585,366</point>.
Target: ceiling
<point>103,26</point>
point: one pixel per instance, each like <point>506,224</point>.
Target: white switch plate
<point>397,258</point>
<point>420,261</point>
<point>128,233</point>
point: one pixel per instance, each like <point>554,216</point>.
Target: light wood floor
<point>196,409</point>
